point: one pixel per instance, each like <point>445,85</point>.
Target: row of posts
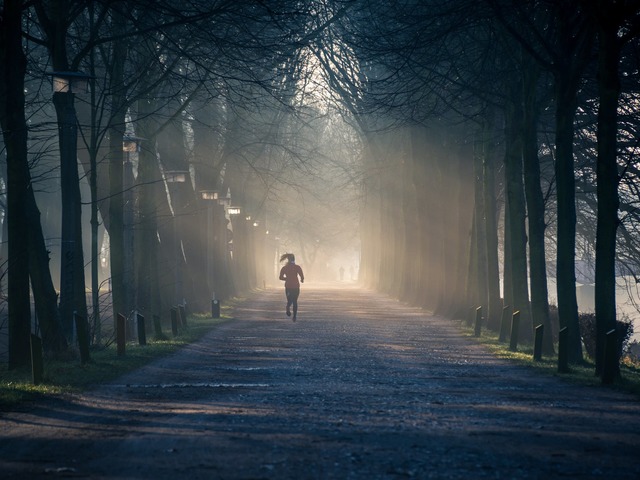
<point>178,322</point>
<point>512,328</point>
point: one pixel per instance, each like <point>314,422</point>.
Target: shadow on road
<point>359,387</point>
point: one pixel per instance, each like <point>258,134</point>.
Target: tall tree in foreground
<point>28,256</point>
<point>617,23</point>
<point>55,18</point>
<point>13,66</point>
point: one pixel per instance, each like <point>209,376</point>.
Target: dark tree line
<point>476,81</point>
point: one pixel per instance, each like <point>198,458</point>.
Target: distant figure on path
<point>341,273</point>
<point>290,273</point>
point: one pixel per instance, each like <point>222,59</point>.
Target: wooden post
<point>142,333</point>
<point>121,333</point>
<point>478,322</point>
<point>174,321</point>
<point>82,327</point>
<point>563,354</point>
<point>504,324</point>
<point>515,328</point>
<point>215,308</point>
<point>37,364</point>
<point>610,358</point>
<point>537,343</point>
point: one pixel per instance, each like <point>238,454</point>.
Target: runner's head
<point>288,256</point>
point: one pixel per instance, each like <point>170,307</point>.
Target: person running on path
<point>290,273</point>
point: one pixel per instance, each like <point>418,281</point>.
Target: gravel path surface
<point>360,387</point>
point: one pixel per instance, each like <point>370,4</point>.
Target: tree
<point>611,20</point>
<point>26,241</point>
<point>55,20</point>
<point>14,129</point>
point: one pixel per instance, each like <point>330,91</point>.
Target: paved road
<point>360,387</point>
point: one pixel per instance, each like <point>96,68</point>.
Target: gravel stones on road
<point>360,387</point>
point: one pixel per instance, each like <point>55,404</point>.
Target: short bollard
<point>563,353</point>
<point>215,308</point>
<point>142,333</point>
<point>121,341</point>
<point>504,323</point>
<point>174,321</point>
<point>82,328</point>
<point>515,329</point>
<point>478,322</point>
<point>37,364</point>
<point>537,343</point>
<point>610,357</point>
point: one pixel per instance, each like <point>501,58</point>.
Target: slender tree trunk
<point>420,180</point>
<point>72,278</point>
<point>607,185</point>
<point>396,219</point>
<point>472,294</point>
<point>207,164</point>
<point>410,248</point>
<point>150,197</point>
<point>373,200</point>
<point>574,39</point>
<point>14,129</point>
<point>507,280</point>
<point>441,155</point>
<point>120,297</point>
<point>116,220</point>
<point>491,228</point>
<point>517,215</point>
<point>44,293</point>
<point>535,208</point>
<point>566,215</point>
<point>480,227</point>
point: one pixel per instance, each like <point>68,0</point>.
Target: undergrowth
<point>583,373</point>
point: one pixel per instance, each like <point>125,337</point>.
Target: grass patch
<point>583,373</point>
<point>69,376</point>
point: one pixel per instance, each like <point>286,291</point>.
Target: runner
<point>290,273</point>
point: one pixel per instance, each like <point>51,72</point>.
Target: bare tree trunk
<point>491,227</point>
<point>480,214</point>
<point>151,201</point>
<point>419,179</point>
<point>372,235</point>
<point>535,208</point>
<point>411,246</point>
<point>566,216</point>
<point>574,49</point>
<point>44,293</point>
<point>121,302</point>
<point>14,127</point>
<point>507,280</point>
<point>517,215</point>
<point>607,184</point>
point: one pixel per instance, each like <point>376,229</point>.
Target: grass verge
<point>69,376</point>
<point>583,373</point>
